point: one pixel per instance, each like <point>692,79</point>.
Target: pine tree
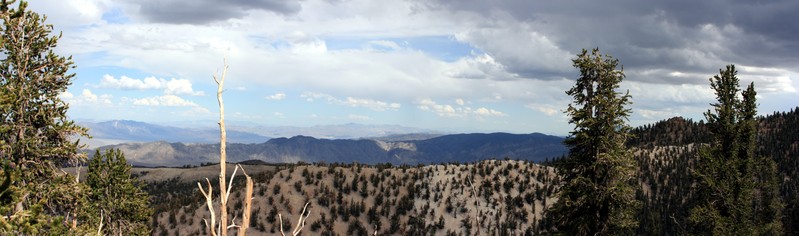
<point>767,202</point>
<point>35,132</point>
<point>736,191</point>
<point>598,192</point>
<point>116,199</point>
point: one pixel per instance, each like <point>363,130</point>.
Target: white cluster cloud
<point>447,110</point>
<point>358,117</point>
<point>165,100</point>
<point>547,109</point>
<point>480,67</point>
<point>768,80</point>
<point>352,102</point>
<point>172,86</point>
<point>86,98</point>
<point>277,96</point>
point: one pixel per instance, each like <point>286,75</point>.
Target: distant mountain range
<point>127,131</point>
<point>341,131</point>
<point>442,149</point>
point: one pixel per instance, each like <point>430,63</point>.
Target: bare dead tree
<point>224,186</point>
<point>245,219</point>
<point>223,193</point>
<point>300,222</point>
<point>477,202</point>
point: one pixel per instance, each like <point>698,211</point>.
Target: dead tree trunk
<point>223,193</point>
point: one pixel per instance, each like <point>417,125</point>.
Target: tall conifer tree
<point>736,191</point>
<point>598,192</point>
<point>35,132</point>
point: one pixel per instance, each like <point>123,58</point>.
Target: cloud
<point>206,11</point>
<point>482,111</point>
<point>521,50</point>
<point>72,12</point>
<point>358,117</point>
<point>372,55</point>
<point>277,96</point>
<point>371,104</point>
<point>165,100</point>
<point>352,102</point>
<point>172,86</point>
<point>654,114</point>
<point>447,110</point>
<point>86,98</point>
<point>383,45</point>
<point>547,109</point>
<point>535,39</point>
<point>480,67</point>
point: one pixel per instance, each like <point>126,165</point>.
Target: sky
<point>454,66</point>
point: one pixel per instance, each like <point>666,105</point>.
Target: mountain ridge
<point>443,149</point>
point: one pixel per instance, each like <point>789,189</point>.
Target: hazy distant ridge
<point>135,131</point>
<point>447,148</point>
<point>127,131</point>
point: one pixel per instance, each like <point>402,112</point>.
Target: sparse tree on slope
<point>731,199</point>
<point>35,131</point>
<point>598,192</point>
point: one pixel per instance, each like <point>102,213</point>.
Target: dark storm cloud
<point>206,11</point>
<point>694,37</point>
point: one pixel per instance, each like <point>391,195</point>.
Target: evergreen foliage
<point>666,152</point>
<point>598,192</point>
<point>35,131</point>
<point>730,197</point>
<point>116,198</point>
<point>779,142</point>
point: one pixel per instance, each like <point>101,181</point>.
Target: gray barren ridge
<point>442,149</point>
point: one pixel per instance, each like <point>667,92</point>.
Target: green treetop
<point>736,191</point>
<point>598,192</point>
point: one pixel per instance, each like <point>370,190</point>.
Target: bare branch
<point>280,219</point>
<point>233,223</point>
<point>477,201</point>
<point>100,229</point>
<point>209,201</point>
<point>230,185</point>
<point>301,221</point>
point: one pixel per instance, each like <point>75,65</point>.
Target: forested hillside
<point>665,152</point>
<point>461,199</point>
<point>484,198</point>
